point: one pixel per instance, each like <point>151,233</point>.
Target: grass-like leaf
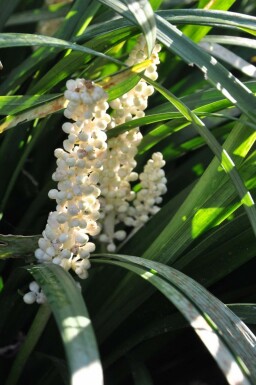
<point>224,81</point>
<point>17,246</point>
<point>181,228</point>
<point>11,105</point>
<point>245,311</point>
<point>231,40</point>
<point>24,39</point>
<point>52,11</point>
<point>222,155</point>
<point>73,321</point>
<point>229,57</point>
<point>218,328</point>
<point>29,344</point>
<point>195,33</point>
<point>6,9</point>
<point>213,18</point>
<point>144,15</point>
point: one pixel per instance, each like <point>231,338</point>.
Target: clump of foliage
<point>197,251</point>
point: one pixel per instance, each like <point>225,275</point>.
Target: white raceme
<point>119,165</point>
<point>94,196</point>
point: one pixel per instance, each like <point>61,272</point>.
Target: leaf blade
<point>73,322</point>
<point>144,15</point>
<point>206,314</point>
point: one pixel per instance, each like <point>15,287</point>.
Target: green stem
<point>32,338</point>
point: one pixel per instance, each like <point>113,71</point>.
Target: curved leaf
<point>144,15</point>
<point>222,155</point>
<point>227,338</point>
<point>73,322</point>
<point>30,342</point>
<point>8,40</point>
<point>214,18</point>
<point>223,80</point>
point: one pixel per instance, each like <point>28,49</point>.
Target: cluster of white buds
<point>94,195</point>
<point>34,295</point>
<point>153,186</point>
<point>65,240</point>
<point>116,192</point>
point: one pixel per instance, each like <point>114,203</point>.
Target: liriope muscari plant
<point>94,196</point>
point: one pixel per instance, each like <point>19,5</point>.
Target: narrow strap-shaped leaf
<point>245,311</point>
<point>226,337</point>
<point>45,13</point>
<point>222,155</point>
<point>195,33</point>
<point>73,321</point>
<point>229,57</point>
<point>29,344</point>
<point>6,9</point>
<point>10,105</point>
<point>33,113</point>
<point>214,18</point>
<point>213,190</point>
<point>231,40</point>
<point>138,12</point>
<point>220,19</point>
<point>66,31</point>
<point>223,80</point>
<point>120,8</point>
<point>175,41</point>
<point>26,39</point>
<point>115,85</point>
<point>144,15</point>
<point>17,246</point>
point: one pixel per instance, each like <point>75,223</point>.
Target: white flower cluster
<point>94,195</point>
<point>65,240</point>
<point>34,295</point>
<point>153,186</point>
<point>116,192</point>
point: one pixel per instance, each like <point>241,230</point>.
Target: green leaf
<point>229,57</point>
<point>26,39</point>
<point>48,108</point>
<point>231,40</point>
<point>17,246</point>
<point>6,9</point>
<point>11,105</point>
<point>212,18</point>
<point>67,29</point>
<point>139,13</point>
<point>27,347</point>
<point>212,190</point>
<point>45,13</point>
<point>144,15</point>
<point>222,155</point>
<point>67,305</point>
<point>195,33</point>
<point>226,337</point>
<point>223,80</point>
<point>245,311</point>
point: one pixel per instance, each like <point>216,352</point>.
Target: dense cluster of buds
<point>94,197</point>
<point>34,295</point>
<point>65,239</point>
<point>116,192</point>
